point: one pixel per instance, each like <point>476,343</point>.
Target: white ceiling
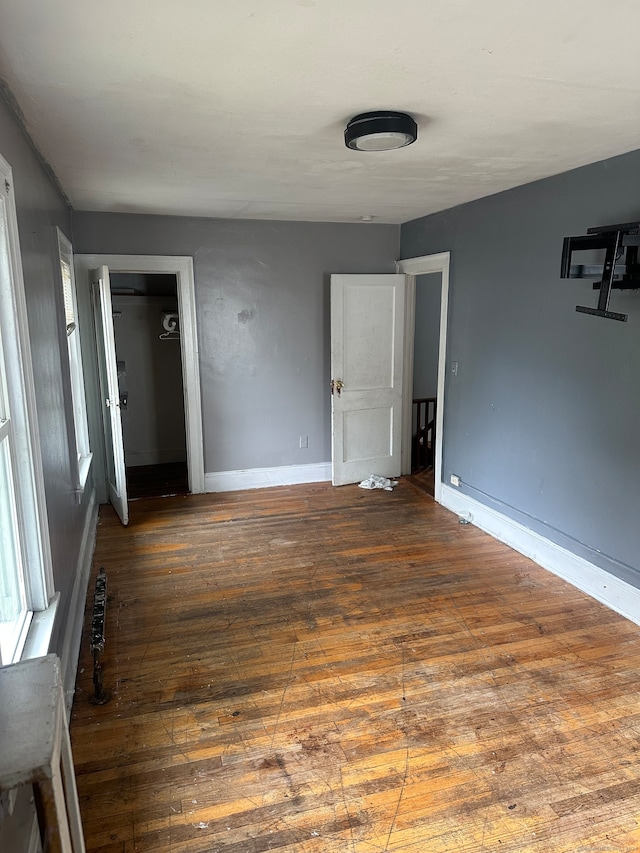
<point>236,108</point>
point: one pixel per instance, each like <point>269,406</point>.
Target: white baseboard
<point>260,478</point>
<point>585,576</point>
<point>75,619</point>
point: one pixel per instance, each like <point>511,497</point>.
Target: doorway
<point>367,329</point>
<point>146,324</point>
<point>412,268</point>
<point>425,379</point>
<point>181,268</point>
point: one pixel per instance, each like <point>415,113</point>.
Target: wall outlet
<point>304,442</point>
<point>454,368</point>
<point>455,480</point>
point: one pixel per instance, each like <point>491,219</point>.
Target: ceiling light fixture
<point>380,131</point>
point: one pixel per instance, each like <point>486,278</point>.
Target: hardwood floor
<point>314,670</point>
<point>424,480</point>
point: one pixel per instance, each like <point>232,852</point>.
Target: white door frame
<point>413,267</point>
<point>182,267</point>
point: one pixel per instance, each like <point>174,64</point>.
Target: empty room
<point>318,416</point>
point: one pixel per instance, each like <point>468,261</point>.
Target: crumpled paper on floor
<point>377,482</point>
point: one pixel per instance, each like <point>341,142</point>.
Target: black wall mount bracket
<point>620,271</point>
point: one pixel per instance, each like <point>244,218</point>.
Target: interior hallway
<point>313,669</point>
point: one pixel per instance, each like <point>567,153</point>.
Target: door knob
<point>336,386</point>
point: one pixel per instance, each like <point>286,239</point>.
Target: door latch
<point>336,386</point>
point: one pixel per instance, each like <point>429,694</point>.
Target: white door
<point>367,338</point>
<point>110,395</point>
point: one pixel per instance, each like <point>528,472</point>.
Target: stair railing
<point>423,441</point>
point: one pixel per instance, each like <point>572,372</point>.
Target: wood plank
<point>318,669</point>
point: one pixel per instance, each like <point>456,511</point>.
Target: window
<point>26,579</point>
<point>78,433</point>
<point>14,615</point>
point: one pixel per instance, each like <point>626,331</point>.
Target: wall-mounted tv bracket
<point>620,243</point>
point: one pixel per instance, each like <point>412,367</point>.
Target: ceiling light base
<point>380,131</point>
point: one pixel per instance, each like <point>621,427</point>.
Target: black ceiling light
<point>380,131</point>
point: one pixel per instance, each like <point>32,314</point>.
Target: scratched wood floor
<point>314,670</point>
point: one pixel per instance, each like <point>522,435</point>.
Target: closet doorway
<point>146,323</point>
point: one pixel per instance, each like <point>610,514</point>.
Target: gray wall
<point>427,337</point>
<point>40,208</point>
<point>262,295</point>
<point>543,419</point>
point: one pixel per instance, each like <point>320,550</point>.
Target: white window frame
<point>27,482</point>
<point>14,624</point>
<point>79,448</point>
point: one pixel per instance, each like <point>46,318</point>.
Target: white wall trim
<point>41,630</point>
<point>585,576</point>
<point>261,478</point>
<point>182,267</point>
<point>412,267</point>
<point>75,615</point>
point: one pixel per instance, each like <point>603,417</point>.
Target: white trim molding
<point>75,616</point>
<point>580,573</point>
<point>262,478</point>
<point>73,381</point>
<point>22,394</point>
<point>182,267</point>
<point>41,630</point>
<point>412,267</point>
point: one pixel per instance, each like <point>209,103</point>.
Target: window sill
<point>84,466</point>
<point>41,630</point>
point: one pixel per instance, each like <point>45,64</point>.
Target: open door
<point>110,395</point>
<point>367,340</point>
